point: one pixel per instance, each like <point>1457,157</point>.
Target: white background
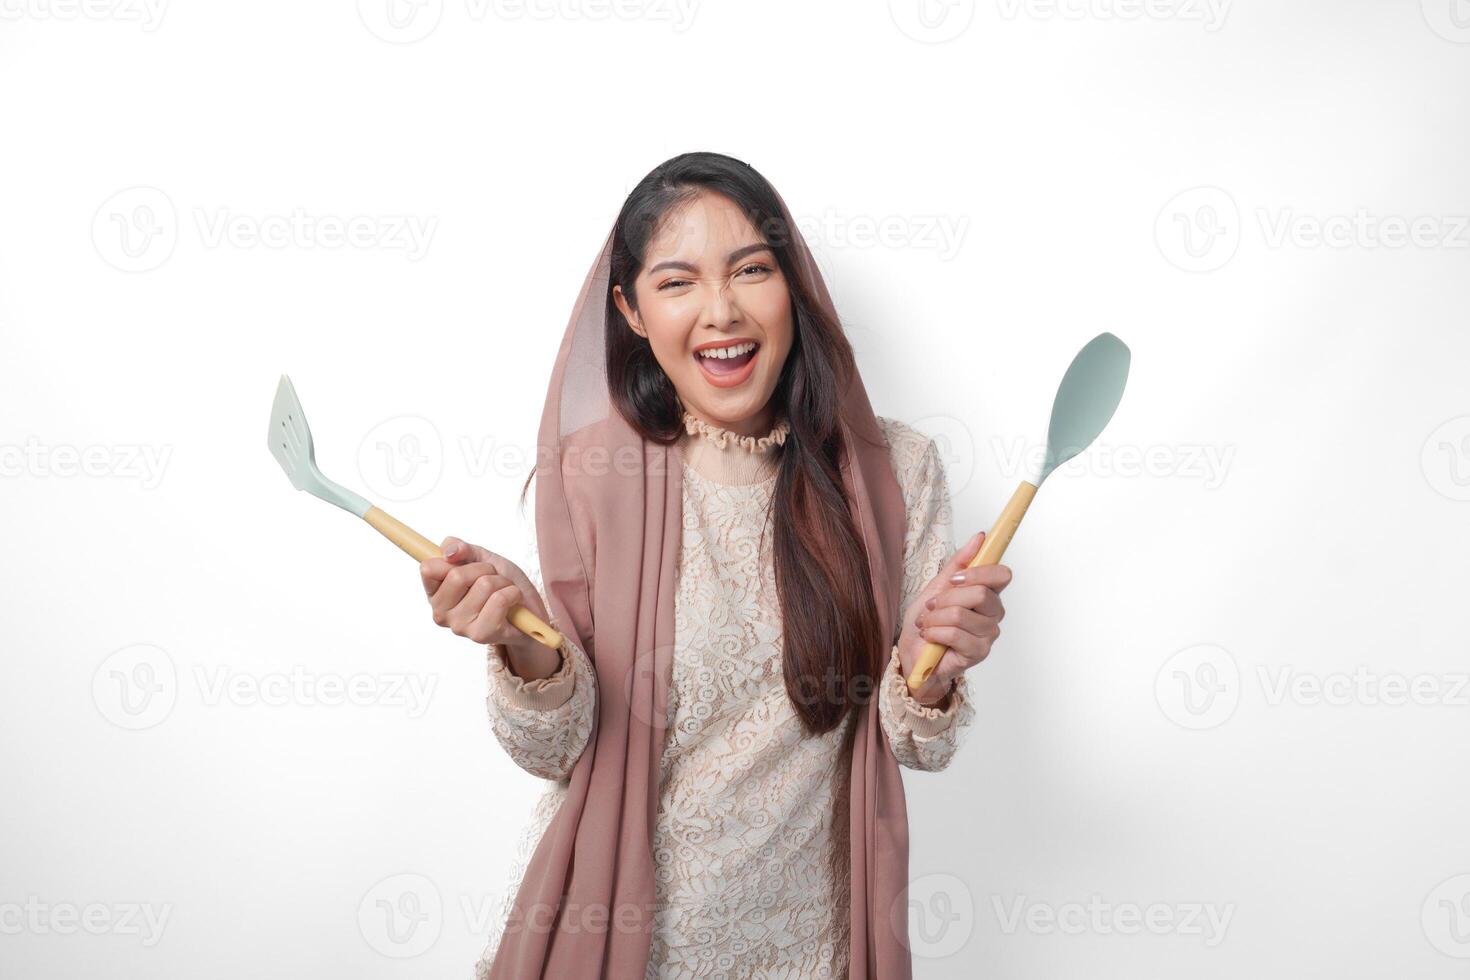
<point>1265,200</point>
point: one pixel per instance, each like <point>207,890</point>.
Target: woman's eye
<point>756,267</point>
<point>673,282</point>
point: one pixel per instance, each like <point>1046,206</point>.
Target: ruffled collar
<point>728,458</point>
<point>725,439</point>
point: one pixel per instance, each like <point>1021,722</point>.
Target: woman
<point>744,563</point>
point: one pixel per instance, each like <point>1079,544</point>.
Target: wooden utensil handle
<point>422,549</point>
<point>994,546</point>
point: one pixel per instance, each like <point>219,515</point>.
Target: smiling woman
<point>714,307</point>
<point>725,720</point>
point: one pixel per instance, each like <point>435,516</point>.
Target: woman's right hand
<point>471,592</point>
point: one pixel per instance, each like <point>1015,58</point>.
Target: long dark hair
<point>831,648</point>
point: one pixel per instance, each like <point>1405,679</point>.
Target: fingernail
<point>451,551</point>
<point>930,603</point>
<point>958,578</point>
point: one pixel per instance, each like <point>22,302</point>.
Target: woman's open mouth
<point>726,367</point>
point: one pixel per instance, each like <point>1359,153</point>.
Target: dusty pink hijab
<point>608,523</point>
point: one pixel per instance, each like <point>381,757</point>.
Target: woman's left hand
<point>962,615</point>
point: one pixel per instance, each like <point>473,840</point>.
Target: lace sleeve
<point>543,724</point>
<point>922,738</point>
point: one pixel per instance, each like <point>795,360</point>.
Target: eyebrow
<point>734,256</point>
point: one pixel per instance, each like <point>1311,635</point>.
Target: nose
<point>720,308</point>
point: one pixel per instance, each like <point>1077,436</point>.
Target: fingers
<point>962,630</point>
<point>462,617</point>
<point>993,577</point>
<point>493,618</point>
<point>456,583</point>
<point>432,571</point>
<point>982,599</point>
<point>963,556</point>
<point>458,552</point>
<point>950,666</point>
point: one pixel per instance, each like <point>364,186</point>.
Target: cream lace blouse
<point>750,845</point>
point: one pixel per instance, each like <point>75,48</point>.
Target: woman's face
<point>709,282</point>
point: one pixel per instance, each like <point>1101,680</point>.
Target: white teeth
<point>722,352</point>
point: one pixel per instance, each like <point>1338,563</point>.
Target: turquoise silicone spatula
<point>1086,399</point>
<point>291,444</point>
